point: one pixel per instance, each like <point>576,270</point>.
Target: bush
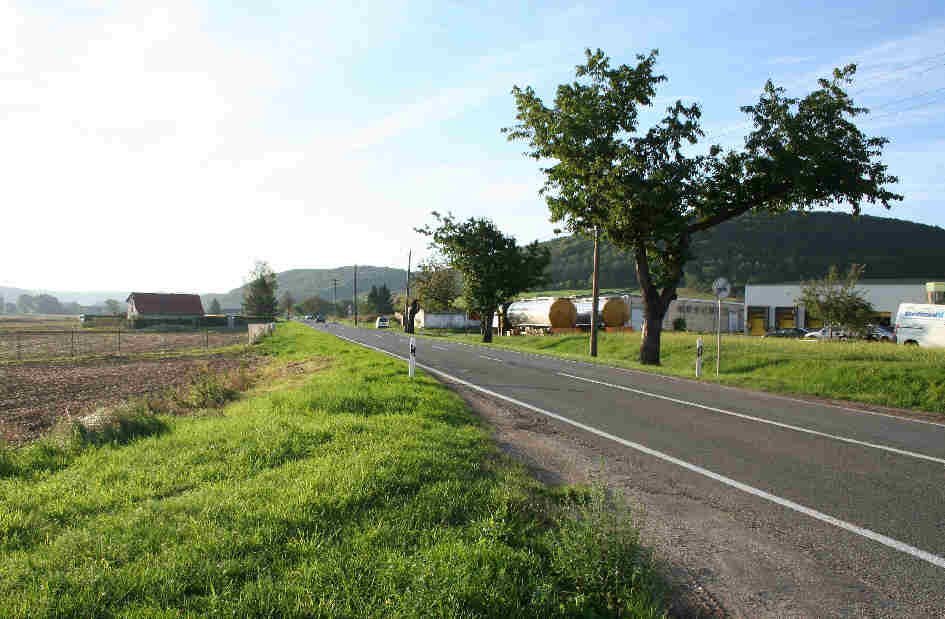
<point>679,324</point>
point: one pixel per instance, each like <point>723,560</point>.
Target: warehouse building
<point>774,306</point>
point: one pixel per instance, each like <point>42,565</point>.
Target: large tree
<point>436,285</point>
<point>259,293</point>
<point>493,266</point>
<point>649,196</point>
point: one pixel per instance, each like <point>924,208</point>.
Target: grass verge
<point>345,491</point>
<point>868,372</point>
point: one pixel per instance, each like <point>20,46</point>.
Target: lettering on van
<point>925,314</point>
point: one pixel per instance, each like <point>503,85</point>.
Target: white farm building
<point>774,306</point>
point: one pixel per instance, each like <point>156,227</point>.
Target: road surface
<point>863,494</point>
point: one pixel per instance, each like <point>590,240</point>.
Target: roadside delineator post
<point>413,356</point>
<point>699,358</point>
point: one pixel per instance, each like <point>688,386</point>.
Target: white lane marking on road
<point>722,411</point>
<point>728,481</point>
<point>493,358</point>
<point>439,348</point>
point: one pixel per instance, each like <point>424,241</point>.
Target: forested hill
<point>306,283</point>
<point>767,249</point>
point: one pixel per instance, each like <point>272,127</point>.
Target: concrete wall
<point>444,320</point>
<point>699,314</point>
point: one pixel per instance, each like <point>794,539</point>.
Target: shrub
<point>679,324</point>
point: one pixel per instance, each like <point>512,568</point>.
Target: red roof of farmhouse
<point>162,303</point>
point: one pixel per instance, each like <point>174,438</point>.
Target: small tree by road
<point>112,306</point>
<point>493,266</point>
<point>836,300</point>
<point>287,303</point>
<point>259,293</point>
<point>215,307</point>
<point>437,286</point>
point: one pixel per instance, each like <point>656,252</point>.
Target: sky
<point>167,146</point>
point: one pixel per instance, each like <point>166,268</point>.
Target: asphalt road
<point>865,492</point>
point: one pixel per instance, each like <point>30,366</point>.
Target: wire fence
<point>39,345</point>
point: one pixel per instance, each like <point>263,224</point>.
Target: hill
<point>767,249</point>
<point>306,283</point>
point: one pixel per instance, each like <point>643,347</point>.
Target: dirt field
<point>26,345</point>
<point>35,396</point>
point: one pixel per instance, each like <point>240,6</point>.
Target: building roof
<point>163,303</point>
<point>906,281</point>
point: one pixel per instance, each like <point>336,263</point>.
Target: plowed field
<point>35,396</point>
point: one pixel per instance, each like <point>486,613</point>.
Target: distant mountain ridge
<point>770,249</point>
<point>306,283</point>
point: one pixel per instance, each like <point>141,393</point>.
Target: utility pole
<point>407,289</point>
<point>355,295</point>
<point>595,291</point>
<point>334,293</point>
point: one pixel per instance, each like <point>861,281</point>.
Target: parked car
<point>319,318</point>
<point>382,323</point>
<point>787,332</point>
<point>829,332</point>
<point>877,333</point>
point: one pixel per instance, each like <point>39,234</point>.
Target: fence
<point>35,345</point>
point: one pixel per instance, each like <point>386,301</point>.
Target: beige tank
<point>615,312</point>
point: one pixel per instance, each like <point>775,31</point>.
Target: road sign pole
<point>718,341</point>
<point>413,356</point>
<point>699,358</point>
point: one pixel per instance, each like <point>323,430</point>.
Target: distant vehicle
<point>319,318</point>
<point>787,332</point>
<point>921,324</point>
<point>382,323</point>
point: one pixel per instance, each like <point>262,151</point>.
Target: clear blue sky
<point>166,147</point>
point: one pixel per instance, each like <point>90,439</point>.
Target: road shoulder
<point>724,560</point>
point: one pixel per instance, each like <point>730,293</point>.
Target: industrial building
<point>775,306</point>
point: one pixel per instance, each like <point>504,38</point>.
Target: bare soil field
<point>26,345</point>
<point>35,396</point>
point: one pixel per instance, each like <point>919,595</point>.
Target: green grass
<point>347,491</point>
<point>869,372</point>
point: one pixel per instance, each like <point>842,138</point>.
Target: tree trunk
<point>595,292</point>
<point>485,322</point>
<point>653,316</point>
<point>411,316</point>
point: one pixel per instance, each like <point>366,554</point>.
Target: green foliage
<point>112,306</point>
<point>679,324</point>
<point>259,294</point>
<point>835,299</point>
<point>436,285</point>
<point>286,303</point>
<point>493,266</point>
<point>349,491</point>
<point>215,307</point>
<point>378,301</point>
<point>650,198</point>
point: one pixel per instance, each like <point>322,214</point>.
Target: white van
<point>922,324</point>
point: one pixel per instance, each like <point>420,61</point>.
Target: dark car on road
<point>786,332</point>
<point>319,318</point>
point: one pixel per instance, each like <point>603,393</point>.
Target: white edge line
<point>807,511</point>
<point>681,379</point>
<point>493,358</point>
<point>722,411</point>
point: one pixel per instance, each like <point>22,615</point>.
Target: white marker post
<point>412,364</point>
<point>720,288</point>
<point>699,357</point>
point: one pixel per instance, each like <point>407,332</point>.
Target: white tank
<point>544,312</point>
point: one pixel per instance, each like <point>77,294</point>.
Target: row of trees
<point>48,304</point>
<point>647,194</point>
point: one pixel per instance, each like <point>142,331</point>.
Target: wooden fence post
<point>17,346</point>
<point>207,339</point>
<point>119,341</point>
<point>73,343</point>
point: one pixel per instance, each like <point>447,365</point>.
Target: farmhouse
<point>155,307</point>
